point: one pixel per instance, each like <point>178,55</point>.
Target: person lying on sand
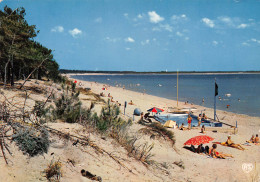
<point>200,149</point>
<point>252,139</point>
<point>147,117</point>
<point>213,153</point>
<point>230,143</point>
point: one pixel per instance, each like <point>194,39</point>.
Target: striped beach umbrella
<point>197,140</point>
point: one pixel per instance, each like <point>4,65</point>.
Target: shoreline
<point>159,97</point>
<point>153,73</point>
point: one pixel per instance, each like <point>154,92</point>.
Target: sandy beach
<point>195,167</point>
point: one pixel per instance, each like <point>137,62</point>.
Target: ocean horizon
<point>237,93</point>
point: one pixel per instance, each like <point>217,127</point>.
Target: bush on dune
<point>31,140</point>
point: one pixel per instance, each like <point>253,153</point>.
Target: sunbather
<point>200,149</point>
<point>230,143</point>
<point>252,139</point>
<point>131,103</point>
<point>213,153</point>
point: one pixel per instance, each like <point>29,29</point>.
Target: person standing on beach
<point>256,140</point>
<point>199,120</point>
<point>189,121</point>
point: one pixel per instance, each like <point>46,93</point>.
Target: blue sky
<point>148,35</point>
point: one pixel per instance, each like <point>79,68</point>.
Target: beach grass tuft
<point>53,172</point>
<point>158,130</point>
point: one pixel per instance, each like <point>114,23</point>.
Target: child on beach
<point>182,127</point>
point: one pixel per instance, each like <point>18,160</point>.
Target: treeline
<point>21,57</point>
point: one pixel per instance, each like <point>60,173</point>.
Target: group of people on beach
<point>212,152</point>
<point>254,139</point>
<point>200,119</point>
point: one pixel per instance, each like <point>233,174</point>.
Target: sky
<point>148,35</point>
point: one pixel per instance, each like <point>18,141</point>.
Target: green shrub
<point>32,141</point>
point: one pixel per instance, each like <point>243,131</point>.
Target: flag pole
<point>215,101</point>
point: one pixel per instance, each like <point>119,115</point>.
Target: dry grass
<point>156,130</point>
<point>53,172</point>
<point>89,92</point>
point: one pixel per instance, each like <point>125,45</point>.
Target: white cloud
<point>140,16</point>
<point>98,20</point>
<point>208,22</point>
<point>154,17</point>
<point>129,39</point>
<point>242,26</point>
<point>187,38</point>
<point>75,32</point>
<point>245,44</point>
<point>225,19</point>
<point>57,29</point>
<point>234,22</point>
<point>254,40</point>
<point>179,18</point>
<point>127,48</point>
<point>161,27</point>
<point>166,27</point>
<point>215,42</point>
<point>179,34</point>
<point>112,39</point>
<point>145,42</point>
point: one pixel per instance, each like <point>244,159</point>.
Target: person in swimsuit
<point>213,153</point>
<point>252,139</point>
<point>230,143</point>
<point>199,120</point>
<point>204,116</point>
<point>189,121</point>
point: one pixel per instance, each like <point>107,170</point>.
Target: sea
<point>238,93</point>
